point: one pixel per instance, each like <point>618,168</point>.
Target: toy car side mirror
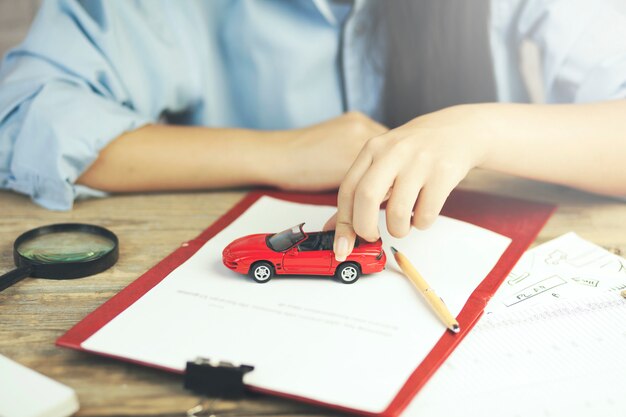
<point>293,251</point>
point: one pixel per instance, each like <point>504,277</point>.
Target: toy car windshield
<point>286,239</point>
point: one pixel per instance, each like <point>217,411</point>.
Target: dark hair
<point>437,55</point>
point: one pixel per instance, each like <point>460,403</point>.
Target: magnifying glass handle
<point>14,276</point>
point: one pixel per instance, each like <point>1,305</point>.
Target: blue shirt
<point>89,71</point>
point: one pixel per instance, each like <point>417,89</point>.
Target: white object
<point>347,345</point>
<point>26,393</point>
<point>564,359</point>
<point>551,343</point>
<point>567,267</point>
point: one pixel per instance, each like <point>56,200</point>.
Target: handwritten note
<point>567,267</point>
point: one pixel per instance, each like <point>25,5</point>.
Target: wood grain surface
<point>35,312</point>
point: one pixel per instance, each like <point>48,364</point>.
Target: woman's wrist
<point>312,158</point>
<point>274,161</point>
<point>469,127</point>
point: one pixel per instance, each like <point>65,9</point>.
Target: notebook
<point>365,348</point>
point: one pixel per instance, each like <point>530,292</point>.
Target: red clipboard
<point>520,220</point>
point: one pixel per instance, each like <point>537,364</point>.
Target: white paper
<point>551,343</point>
<point>349,345</point>
<point>562,359</point>
<point>567,267</point>
<point>26,393</point>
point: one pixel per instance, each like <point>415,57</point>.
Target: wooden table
<point>35,312</point>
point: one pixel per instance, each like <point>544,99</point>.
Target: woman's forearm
<point>161,157</point>
<point>578,145</point>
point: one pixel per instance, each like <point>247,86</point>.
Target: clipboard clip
<point>213,378</point>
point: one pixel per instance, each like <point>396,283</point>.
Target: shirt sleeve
<point>582,48</point>
<point>61,102</point>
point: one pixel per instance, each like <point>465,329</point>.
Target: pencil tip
<point>455,328</point>
<point>393,250</point>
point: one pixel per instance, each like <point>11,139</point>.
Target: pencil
<point>435,302</point>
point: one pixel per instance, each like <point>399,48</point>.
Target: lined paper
<point>567,358</point>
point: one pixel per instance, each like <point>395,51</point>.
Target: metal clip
<point>205,407</point>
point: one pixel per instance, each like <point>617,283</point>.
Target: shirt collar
<point>325,9</point>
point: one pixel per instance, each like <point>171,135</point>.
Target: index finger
<point>344,231</point>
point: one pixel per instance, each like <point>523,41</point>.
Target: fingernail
<point>341,249</point>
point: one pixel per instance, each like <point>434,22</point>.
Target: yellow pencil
<point>436,303</point>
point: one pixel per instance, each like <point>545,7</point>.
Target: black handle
<point>14,276</point>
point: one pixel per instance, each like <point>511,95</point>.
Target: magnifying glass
<point>62,251</point>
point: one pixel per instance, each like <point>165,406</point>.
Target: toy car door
<point>308,257</point>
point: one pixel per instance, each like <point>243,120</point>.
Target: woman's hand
<point>418,164</point>
<point>415,167</point>
<point>317,157</point>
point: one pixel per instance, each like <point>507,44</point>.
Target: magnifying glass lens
<point>64,247</point>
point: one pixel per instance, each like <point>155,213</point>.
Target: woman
<point>286,93</point>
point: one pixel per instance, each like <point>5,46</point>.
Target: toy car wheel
<point>262,272</point>
<point>348,273</point>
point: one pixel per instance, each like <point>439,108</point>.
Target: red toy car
<point>294,252</point>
